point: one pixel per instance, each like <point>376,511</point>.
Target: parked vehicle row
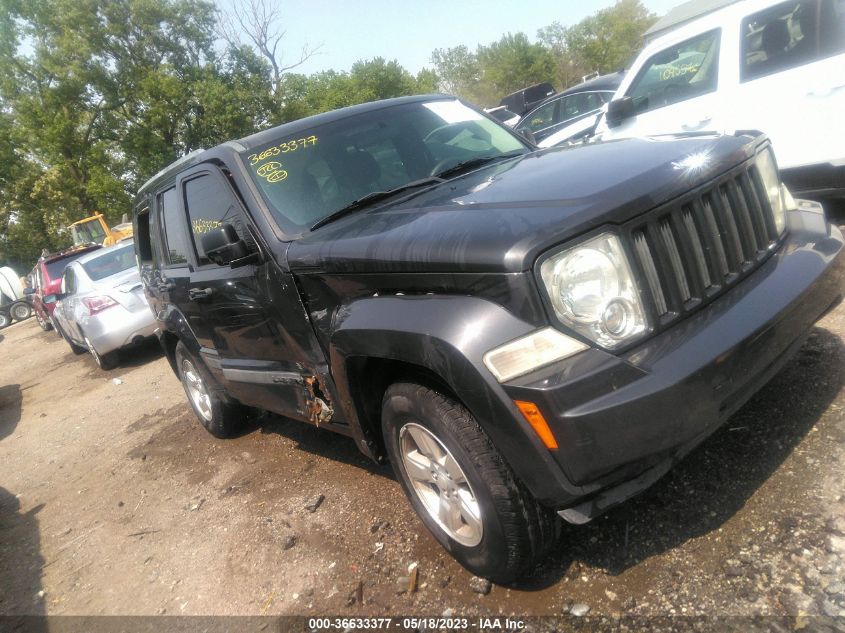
<point>523,334</point>
<point>101,307</point>
<point>764,65</point>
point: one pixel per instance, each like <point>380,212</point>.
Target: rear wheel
<point>76,349</point>
<point>20,310</point>
<point>221,417</point>
<point>461,486</point>
<point>5,319</point>
<point>104,361</point>
<point>44,323</point>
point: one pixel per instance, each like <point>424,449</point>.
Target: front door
<point>256,322</point>
<point>675,90</point>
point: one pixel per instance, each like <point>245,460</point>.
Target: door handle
<point>198,294</point>
<point>694,125</point>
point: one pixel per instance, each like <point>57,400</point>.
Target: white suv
<point>767,65</point>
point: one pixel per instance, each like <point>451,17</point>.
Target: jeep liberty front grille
<point>691,250</point>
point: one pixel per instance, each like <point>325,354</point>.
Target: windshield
<point>308,176</point>
<point>90,232</point>
<point>110,262</point>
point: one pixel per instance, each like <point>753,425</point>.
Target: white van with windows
<point>767,65</point>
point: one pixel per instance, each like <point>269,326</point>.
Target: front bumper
<point>620,422</point>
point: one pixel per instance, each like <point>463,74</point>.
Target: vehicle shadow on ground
<point>128,358</point>
<point>138,355</point>
<point>10,409</point>
<point>716,480</point>
<point>20,565</point>
<point>318,441</point>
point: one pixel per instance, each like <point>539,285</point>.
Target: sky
<point>409,30</point>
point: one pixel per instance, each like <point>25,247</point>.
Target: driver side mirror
<point>29,291</point>
<point>618,110</point>
<point>224,247</point>
<point>54,297</point>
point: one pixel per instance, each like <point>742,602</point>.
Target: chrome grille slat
<point>647,262</point>
<point>715,237</point>
<point>675,259</point>
<point>697,250</point>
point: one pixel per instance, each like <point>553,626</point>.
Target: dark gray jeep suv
<point>522,334</point>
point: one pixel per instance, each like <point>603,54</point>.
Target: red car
<point>48,281</point>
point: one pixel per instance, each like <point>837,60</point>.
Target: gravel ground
<point>113,500</point>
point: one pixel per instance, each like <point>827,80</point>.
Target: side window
<point>210,203</point>
<point>579,104</point>
<point>831,28</point>
<point>69,281</point>
<point>175,231</point>
<point>791,34</point>
<point>142,236</point>
<point>543,117</point>
<point>684,71</point>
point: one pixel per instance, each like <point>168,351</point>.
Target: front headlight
<point>593,292</point>
<point>774,191</point>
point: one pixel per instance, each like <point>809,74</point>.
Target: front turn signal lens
<point>532,414</point>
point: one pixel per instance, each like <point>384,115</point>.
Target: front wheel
<point>220,417</point>
<point>42,322</point>
<point>461,487</point>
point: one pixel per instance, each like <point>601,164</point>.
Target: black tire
<point>20,310</point>
<point>79,350</point>
<point>5,319</point>
<point>104,361</point>
<point>220,416</point>
<point>516,530</point>
<point>42,322</point>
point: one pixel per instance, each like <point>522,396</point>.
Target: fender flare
<point>447,335</point>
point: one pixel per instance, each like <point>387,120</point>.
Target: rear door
<point>253,314</point>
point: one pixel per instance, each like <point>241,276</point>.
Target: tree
<point>603,42</point>
<point>457,69</point>
<point>259,21</point>
<point>513,63</point>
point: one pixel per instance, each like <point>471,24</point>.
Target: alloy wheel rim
<point>196,389</point>
<point>440,484</point>
<point>93,351</point>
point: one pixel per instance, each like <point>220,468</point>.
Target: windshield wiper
<point>375,196</point>
<point>472,163</point>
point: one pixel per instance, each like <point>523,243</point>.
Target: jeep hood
<point>501,217</point>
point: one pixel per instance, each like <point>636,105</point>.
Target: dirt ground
<point>114,500</point>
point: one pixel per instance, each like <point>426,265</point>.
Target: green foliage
<point>604,42</point>
<point>98,95</point>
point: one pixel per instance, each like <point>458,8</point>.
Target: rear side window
<point>142,236</point>
<point>791,34</point>
<point>175,231</point>
<point>683,71</point>
<point>542,117</point>
<point>210,203</point>
<point>69,279</point>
